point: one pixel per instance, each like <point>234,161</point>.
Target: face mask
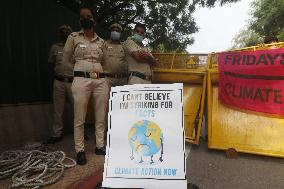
<point>137,38</point>
<point>115,36</point>
<point>87,23</point>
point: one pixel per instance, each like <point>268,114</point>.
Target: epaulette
<point>74,34</point>
<point>59,44</point>
<point>101,39</point>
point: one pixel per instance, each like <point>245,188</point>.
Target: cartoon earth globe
<point>145,139</point>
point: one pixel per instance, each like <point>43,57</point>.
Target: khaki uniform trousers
<point>137,80</point>
<point>61,92</point>
<point>113,82</point>
<point>82,89</point>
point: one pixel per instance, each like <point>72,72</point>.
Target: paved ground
<point>208,169</point>
<point>76,173</point>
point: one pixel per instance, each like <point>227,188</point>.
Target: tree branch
<point>130,21</point>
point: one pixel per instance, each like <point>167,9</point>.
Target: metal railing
<point>180,60</point>
<point>213,63</point>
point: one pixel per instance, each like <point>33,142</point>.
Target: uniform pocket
<point>80,50</point>
<point>59,56</point>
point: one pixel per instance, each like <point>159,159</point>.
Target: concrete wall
<point>21,124</point>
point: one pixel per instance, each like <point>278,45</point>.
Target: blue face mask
<point>138,38</point>
<point>115,36</point>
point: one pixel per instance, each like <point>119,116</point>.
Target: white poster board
<point>145,145</point>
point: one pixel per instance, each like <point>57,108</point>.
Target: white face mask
<point>115,36</point>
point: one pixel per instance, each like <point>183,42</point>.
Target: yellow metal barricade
<point>189,69</point>
<point>242,130</point>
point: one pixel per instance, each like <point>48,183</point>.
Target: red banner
<point>253,80</point>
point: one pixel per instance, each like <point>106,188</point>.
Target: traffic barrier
<point>189,69</point>
<point>243,131</point>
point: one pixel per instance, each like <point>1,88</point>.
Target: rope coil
<point>33,169</point>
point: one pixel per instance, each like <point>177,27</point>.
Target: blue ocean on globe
<point>146,139</point>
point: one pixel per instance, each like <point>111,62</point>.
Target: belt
<point>93,75</point>
<point>141,75</point>
<point>116,75</point>
<point>64,78</point>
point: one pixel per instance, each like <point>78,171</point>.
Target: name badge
<point>82,45</point>
<point>59,52</point>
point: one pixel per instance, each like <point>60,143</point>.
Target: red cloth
<point>253,80</point>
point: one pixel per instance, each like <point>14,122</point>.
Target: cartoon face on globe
<point>145,139</point>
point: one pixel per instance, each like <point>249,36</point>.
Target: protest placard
<point>145,145</point>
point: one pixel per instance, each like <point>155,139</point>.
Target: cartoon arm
<point>131,157</point>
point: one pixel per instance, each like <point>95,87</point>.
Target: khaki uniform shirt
<point>114,58</point>
<point>131,46</point>
<point>88,55</point>
<point>55,58</point>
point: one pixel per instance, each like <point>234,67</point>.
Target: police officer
<point>62,83</point>
<point>115,66</point>
<point>140,60</point>
<point>86,48</point>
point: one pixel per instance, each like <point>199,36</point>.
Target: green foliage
<point>267,19</point>
<point>169,22</point>
<point>246,38</point>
